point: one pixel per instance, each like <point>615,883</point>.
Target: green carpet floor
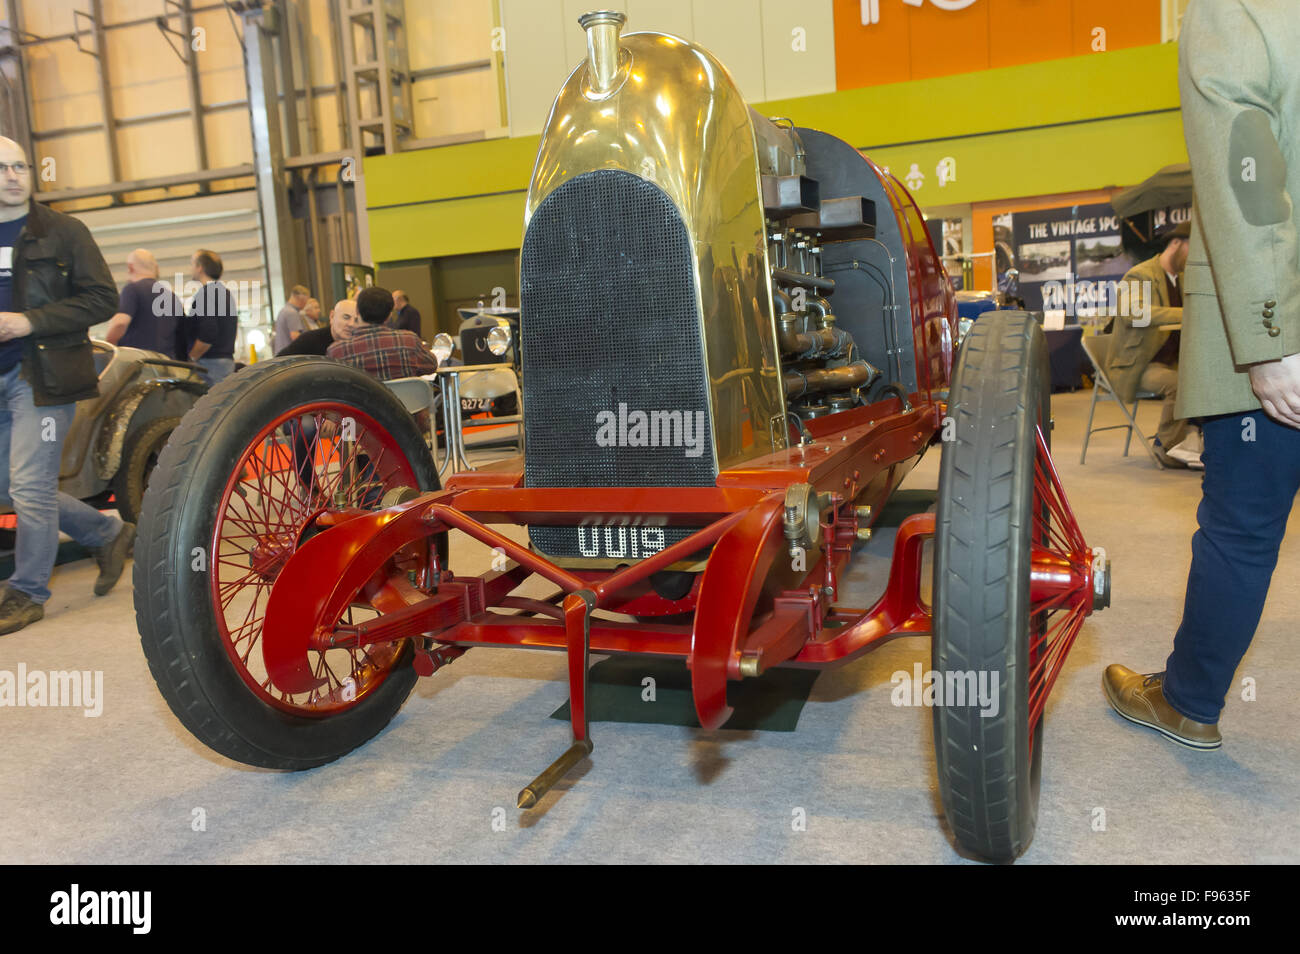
<point>618,692</point>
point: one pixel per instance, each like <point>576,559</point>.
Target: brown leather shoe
<point>112,558</point>
<point>1172,463</point>
<point>1141,699</point>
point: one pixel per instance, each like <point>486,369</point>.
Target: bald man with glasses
<point>54,285</point>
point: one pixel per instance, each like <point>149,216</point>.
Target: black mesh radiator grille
<point>609,328</point>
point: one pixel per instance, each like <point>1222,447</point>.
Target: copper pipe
<point>829,342</point>
<point>849,376</point>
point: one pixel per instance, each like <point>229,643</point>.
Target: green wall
<point>1087,122</point>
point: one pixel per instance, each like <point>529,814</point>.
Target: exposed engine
<point>822,368</point>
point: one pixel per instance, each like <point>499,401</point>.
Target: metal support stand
<point>456,458</point>
<point>449,386</point>
<point>577,625</point>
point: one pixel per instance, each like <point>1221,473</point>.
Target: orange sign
<point>892,41</point>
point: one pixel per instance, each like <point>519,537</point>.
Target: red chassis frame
<point>857,456</point>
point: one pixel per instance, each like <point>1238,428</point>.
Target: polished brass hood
<point>667,111</point>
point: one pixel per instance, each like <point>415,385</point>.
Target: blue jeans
<point>31,447</point>
<point>217,369</point>
<point>1246,496</point>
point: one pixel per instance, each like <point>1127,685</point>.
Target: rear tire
<point>989,767</point>
<point>186,633</point>
<point>139,458</point>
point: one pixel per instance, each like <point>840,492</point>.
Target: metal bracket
<point>163,23</point>
<point>577,624</point>
<point>77,32</point>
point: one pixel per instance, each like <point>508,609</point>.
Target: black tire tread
<point>125,489</point>
<point>176,667</point>
<point>981,580</point>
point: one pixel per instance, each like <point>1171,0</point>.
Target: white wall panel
<point>788,71</point>
<point>455,103</point>
<point>441,32</point>
<point>536,60</point>
<point>64,86</point>
<point>732,31</point>
<point>155,149</point>
<point>661,16</point>
<point>752,38</point>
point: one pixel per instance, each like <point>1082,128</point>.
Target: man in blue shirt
<point>147,311</point>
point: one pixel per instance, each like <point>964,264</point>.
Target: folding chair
<point>503,431</point>
<point>1097,348</point>
<point>417,394</point>
<point>420,394</point>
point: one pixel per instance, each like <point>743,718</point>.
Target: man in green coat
<point>1239,78</point>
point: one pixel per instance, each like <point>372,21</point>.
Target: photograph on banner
<point>1071,254</point>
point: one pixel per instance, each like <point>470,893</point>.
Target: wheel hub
<point>270,553</point>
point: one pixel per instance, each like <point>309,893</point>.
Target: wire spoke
<point>290,470</point>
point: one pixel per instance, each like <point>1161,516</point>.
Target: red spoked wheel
<point>1068,580</point>
<point>303,466</point>
<point>265,461</point>
<point>1013,581</point>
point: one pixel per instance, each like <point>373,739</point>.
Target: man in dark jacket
<point>212,325</point>
<point>343,319</point>
<point>53,286</point>
<point>405,316</point>
<point>147,311</point>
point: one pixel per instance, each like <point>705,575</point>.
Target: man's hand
<point>14,324</point>
<point>1277,385</point>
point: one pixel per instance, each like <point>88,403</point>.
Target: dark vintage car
<point>489,397</point>
<point>489,336</point>
<point>115,438</point>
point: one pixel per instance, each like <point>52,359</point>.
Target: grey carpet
<point>124,787</point>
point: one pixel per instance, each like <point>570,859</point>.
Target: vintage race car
<point>736,340</point>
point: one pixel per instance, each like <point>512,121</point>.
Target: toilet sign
<point>871,8</point>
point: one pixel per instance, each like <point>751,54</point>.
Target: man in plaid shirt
<point>386,353</point>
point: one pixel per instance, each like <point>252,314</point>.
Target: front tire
<point>989,766</point>
<point>233,494</point>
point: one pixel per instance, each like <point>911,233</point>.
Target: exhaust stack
<point>602,28</point>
